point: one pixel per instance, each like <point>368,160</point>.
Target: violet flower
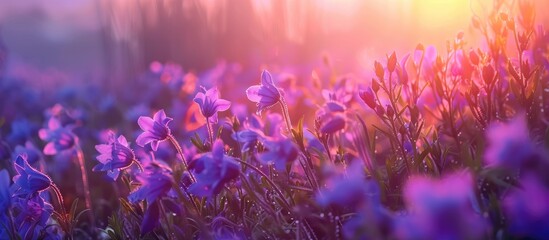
<point>59,138</point>
<point>114,156</point>
<point>28,180</point>
<point>266,94</point>
<point>210,103</point>
<point>155,130</point>
<point>349,188</point>
<point>280,153</point>
<point>255,130</point>
<point>509,144</point>
<point>156,181</point>
<point>443,209</point>
<point>32,212</point>
<point>526,209</point>
<point>212,171</point>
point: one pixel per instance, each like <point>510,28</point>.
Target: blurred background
<point>111,41</point>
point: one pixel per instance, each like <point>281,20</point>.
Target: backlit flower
<point>114,156</point>
<point>265,95</point>
<point>210,103</point>
<point>212,171</point>
<point>28,180</point>
<point>154,129</point>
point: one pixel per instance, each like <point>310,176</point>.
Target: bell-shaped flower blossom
<point>114,156</point>
<point>155,130</point>
<point>212,170</point>
<point>156,181</point>
<point>59,138</point>
<point>210,103</point>
<point>28,180</point>
<point>280,152</point>
<point>265,95</point>
<point>33,215</point>
<point>255,130</point>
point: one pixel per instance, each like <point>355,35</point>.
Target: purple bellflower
<point>265,95</point>
<point>349,188</point>
<point>114,156</point>
<point>59,138</point>
<point>156,181</point>
<point>212,171</point>
<point>28,180</point>
<point>210,103</point>
<point>155,130</point>
<point>509,144</point>
<point>32,212</point>
<point>442,209</point>
<point>256,130</point>
<point>281,152</point>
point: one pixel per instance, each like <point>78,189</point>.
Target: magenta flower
<point>155,130</point>
<point>28,180</point>
<point>59,138</point>
<point>114,156</point>
<point>265,95</point>
<point>210,103</point>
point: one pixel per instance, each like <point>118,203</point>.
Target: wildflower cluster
<point>433,145</point>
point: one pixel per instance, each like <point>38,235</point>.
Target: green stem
<point>180,151</point>
<point>278,191</point>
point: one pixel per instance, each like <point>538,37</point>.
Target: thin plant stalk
<point>180,151</point>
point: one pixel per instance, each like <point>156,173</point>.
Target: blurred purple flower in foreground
<point>114,156</point>
<point>509,144</point>
<point>527,210</point>
<point>59,138</point>
<point>5,196</point>
<point>441,209</point>
<point>349,188</point>
<point>210,103</point>
<point>154,129</point>
<point>212,171</point>
<point>265,95</point>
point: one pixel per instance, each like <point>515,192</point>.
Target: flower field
<point>431,143</point>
